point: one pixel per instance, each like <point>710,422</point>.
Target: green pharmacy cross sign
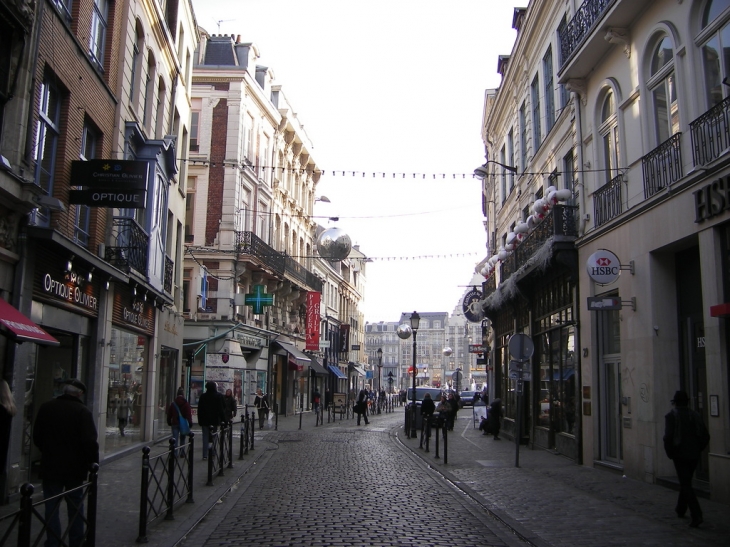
<point>259,299</point>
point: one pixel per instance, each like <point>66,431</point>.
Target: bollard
<point>245,426</point>
<point>446,446</point>
<point>241,438</point>
<point>142,537</point>
<point>230,445</point>
<point>438,423</point>
<point>170,479</point>
<point>210,457</point>
<point>301,413</point>
<point>191,444</point>
<point>221,449</point>
<point>92,497</point>
<point>276,417</point>
<point>253,426</point>
<point>26,514</point>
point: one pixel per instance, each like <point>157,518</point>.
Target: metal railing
<point>560,221</point>
<point>489,286</point>
<point>129,245</point>
<point>607,201</point>
<point>220,452</point>
<point>251,244</point>
<point>581,26</point>
<point>711,133</point>
<point>29,525</point>
<point>662,166</point>
<point>167,480</point>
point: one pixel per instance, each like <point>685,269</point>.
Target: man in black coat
<point>685,437</point>
<point>66,435</point>
<point>211,413</point>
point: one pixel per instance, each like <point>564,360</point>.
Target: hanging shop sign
<point>471,307</point>
<point>604,303</point>
<point>109,183</point>
<point>603,267</point>
<point>313,320</point>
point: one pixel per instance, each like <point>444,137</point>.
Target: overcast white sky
<point>389,86</point>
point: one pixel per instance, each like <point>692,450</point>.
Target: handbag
<point>183,422</point>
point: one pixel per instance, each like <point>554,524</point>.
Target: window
<point>536,129</point>
<point>160,110</point>
<point>502,160</point>
<point>569,175</point>
<point>523,137</point>
<point>148,90</point>
<point>136,60</point>
<point>511,158</point>
<point>547,69</point>
<point>89,140</point>
<point>63,6</point>
<point>564,95</point>
<point>715,50</point>
<point>609,135</point>
<point>663,91</point>
<point>97,39</point>
<point>47,131</point>
<point>194,125</point>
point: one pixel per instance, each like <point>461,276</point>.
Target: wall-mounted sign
<point>712,199</point>
<point>603,303</point>
<point>470,306</point>
<point>603,267</point>
<point>313,319</point>
<point>258,299</point>
<point>477,348</point>
<point>109,183</point>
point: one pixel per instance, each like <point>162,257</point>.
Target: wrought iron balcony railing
<point>662,166</point>
<point>711,133</point>
<point>607,201</point>
<point>281,263</point>
<point>561,221</point>
<point>129,246</point>
<point>489,286</point>
<point>580,26</point>
<point>169,269</point>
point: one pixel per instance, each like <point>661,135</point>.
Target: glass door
<point>611,430</point>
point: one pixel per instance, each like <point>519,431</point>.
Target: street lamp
<point>323,199</point>
<point>415,320</point>
<point>481,172</point>
<point>380,374</point>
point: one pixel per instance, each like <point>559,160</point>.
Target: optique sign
<point>603,267</point>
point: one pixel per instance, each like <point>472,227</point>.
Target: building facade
<point>646,161</point>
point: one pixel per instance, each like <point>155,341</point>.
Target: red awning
<point>721,310</point>
<point>21,328</point>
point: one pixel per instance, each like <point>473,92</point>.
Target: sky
<point>385,90</point>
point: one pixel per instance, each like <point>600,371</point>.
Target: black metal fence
<point>220,452</point>
<point>662,166</point>
<point>31,523</point>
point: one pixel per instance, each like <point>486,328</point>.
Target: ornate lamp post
<point>415,320</point>
<point>380,375</point>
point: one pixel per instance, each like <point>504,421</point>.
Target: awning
<point>297,359</point>
<point>23,329</point>
<point>359,370</point>
<point>336,371</point>
<point>317,367</point>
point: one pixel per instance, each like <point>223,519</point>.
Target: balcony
<point>280,263</point>
<point>560,223</point>
<point>583,41</point>
<point>607,201</point>
<point>489,286</point>
<point>662,166</point>
<point>710,134</point>
<point>129,246</point>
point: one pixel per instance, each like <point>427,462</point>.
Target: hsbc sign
<point>603,267</point>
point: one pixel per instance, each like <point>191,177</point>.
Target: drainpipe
<point>581,179</point>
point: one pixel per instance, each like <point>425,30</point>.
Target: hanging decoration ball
<point>334,244</point>
<point>404,331</point>
<point>447,351</point>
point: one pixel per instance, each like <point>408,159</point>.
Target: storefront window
<point>125,389</point>
<point>166,390</point>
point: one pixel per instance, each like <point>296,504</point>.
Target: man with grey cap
<point>211,413</point>
<point>66,435</point>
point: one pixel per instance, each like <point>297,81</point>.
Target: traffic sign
<point>521,347</point>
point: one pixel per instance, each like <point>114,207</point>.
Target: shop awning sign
<point>21,328</point>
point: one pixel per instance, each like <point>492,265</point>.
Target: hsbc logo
<point>603,267</point>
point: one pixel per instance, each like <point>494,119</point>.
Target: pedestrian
<point>428,407</point>
<point>454,408</point>
<point>7,411</point>
<point>179,408</point>
<point>685,437</point>
<point>361,407</point>
<point>229,405</point>
<point>65,433</point>
<point>261,402</point>
<point>493,418</point>
<point>124,411</point>
<point>210,413</point>
<point>327,398</point>
<point>316,400</point>
<point>444,410</point>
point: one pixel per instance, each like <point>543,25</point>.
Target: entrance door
<point>611,430</point>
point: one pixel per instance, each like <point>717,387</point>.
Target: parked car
<point>467,398</point>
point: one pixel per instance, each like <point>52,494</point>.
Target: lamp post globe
<point>334,244</point>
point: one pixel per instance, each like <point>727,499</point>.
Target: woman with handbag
<point>361,407</point>
<point>179,417</point>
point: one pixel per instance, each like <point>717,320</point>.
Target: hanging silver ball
<point>334,244</point>
<point>447,351</point>
<point>404,331</point>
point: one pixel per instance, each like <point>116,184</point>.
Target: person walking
<point>361,407</point>
<point>261,402</point>
<point>179,407</point>
<point>229,405</point>
<point>124,411</point>
<point>428,407</point>
<point>65,433</point>
<point>327,398</point>
<point>210,413</point>
<point>454,404</point>
<point>316,398</point>
<point>685,437</point>
<point>493,418</point>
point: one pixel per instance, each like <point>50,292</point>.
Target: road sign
<point>478,348</point>
<point>521,347</point>
<point>603,303</point>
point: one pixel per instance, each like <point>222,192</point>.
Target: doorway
<point>609,374</point>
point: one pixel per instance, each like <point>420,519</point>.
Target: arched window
<point>609,135</point>
<point>715,47</point>
<point>663,88</point>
